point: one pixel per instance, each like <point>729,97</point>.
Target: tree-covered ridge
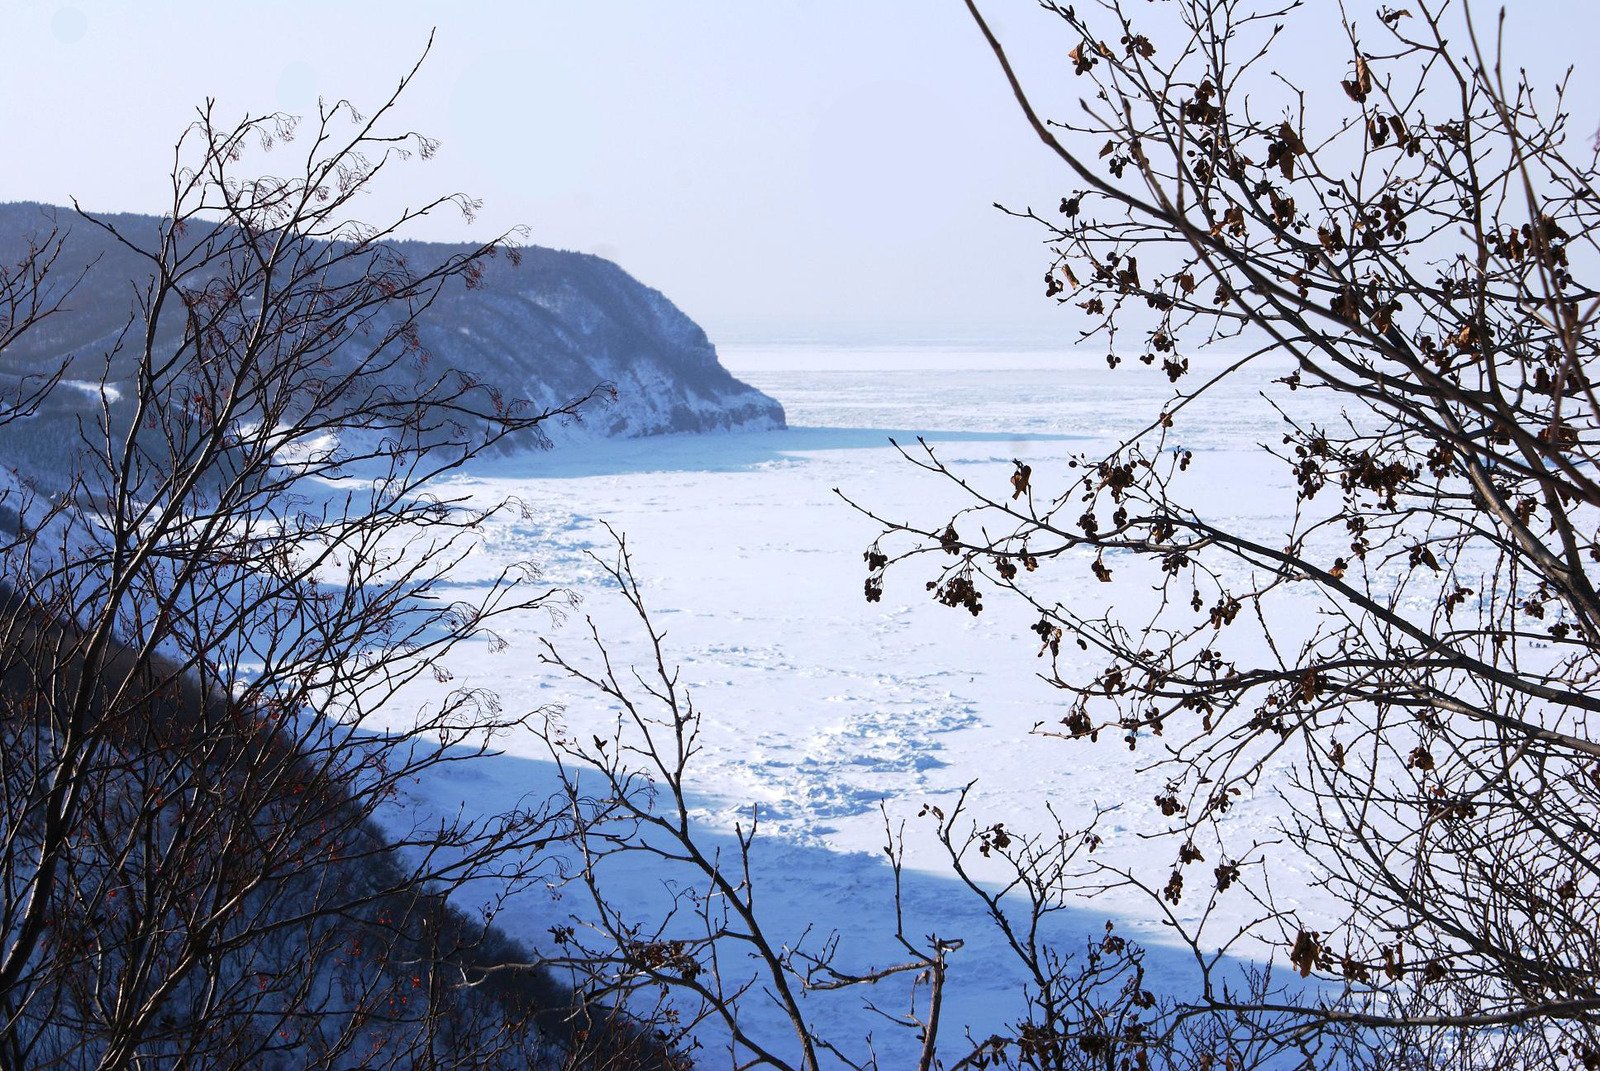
<point>543,325</point>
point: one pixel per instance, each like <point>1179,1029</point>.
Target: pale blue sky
<point>777,167</point>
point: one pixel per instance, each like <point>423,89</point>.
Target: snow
<point>820,707</point>
<point>95,390</point>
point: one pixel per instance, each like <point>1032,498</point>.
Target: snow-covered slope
<point>553,326</point>
<point>547,329</point>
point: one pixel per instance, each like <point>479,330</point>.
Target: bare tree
<point>1410,660</point>
<point>209,621</point>
<point>211,626</point>
<point>721,980</point>
<point>710,964</point>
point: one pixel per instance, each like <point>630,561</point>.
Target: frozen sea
<point>826,711</point>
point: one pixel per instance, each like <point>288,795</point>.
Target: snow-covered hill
<point>547,329</point>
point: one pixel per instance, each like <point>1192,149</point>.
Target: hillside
<point>332,935</point>
<point>546,329</point>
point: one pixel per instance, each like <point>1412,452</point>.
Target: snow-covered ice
<point>817,705</point>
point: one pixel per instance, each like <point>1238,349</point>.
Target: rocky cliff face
<point>547,330</point>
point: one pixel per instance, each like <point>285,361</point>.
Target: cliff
<point>547,329</point>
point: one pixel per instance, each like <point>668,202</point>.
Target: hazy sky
<point>777,167</point>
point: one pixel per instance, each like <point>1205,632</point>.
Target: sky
<point>781,169</point>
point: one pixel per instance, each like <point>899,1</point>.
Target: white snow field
<point>820,707</point>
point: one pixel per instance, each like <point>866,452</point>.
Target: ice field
<point>822,709</point>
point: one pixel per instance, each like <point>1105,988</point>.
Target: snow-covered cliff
<point>553,326</point>
<point>547,329</point>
